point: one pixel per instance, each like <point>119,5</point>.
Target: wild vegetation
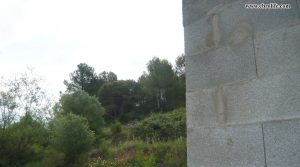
<point>99,121</point>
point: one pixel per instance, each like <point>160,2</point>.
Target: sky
<point>53,36</point>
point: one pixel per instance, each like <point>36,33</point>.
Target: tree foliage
<point>107,77</point>
<point>71,135</point>
<point>82,104</point>
<point>119,98</point>
<point>82,79</point>
<point>31,135</point>
<point>160,85</point>
<point>17,142</point>
<point>180,66</point>
<point>23,95</point>
<point>85,79</point>
<point>161,126</point>
<point>7,109</point>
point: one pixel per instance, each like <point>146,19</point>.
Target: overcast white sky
<point>53,36</point>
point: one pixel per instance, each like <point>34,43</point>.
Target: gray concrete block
<point>240,146</point>
<point>278,51</point>
<point>195,35</point>
<point>219,66</point>
<point>193,10</point>
<point>265,99</point>
<point>225,25</point>
<point>201,108</point>
<point>282,143</point>
<point>261,20</point>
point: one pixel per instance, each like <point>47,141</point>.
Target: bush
<point>70,134</point>
<point>117,134</point>
<point>82,104</point>
<point>17,142</point>
<point>162,126</point>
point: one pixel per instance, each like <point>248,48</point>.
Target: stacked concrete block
<point>226,146</point>
<point>243,83</point>
<point>282,143</point>
<point>274,59</point>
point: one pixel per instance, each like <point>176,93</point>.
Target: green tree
<point>107,76</point>
<point>158,81</point>
<point>24,108</point>
<point>180,66</point>
<point>179,87</point>
<point>18,141</point>
<point>84,78</point>
<point>119,98</point>
<point>25,95</point>
<point>7,108</point>
<point>82,104</point>
<point>70,134</point>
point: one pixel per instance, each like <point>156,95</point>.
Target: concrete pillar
<point>243,83</point>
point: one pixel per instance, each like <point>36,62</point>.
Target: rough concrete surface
<point>278,51</point>
<point>199,35</point>
<point>282,143</point>
<point>195,35</point>
<point>219,66</point>
<point>271,98</point>
<point>226,147</point>
<point>243,83</point>
<point>194,9</point>
<point>201,108</point>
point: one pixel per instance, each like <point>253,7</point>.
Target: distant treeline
<point>160,89</point>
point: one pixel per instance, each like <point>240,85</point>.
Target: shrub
<point>82,104</point>
<point>70,134</point>
<point>117,134</point>
<point>162,126</point>
<point>17,142</point>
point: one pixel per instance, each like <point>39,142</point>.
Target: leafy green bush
<point>176,154</point>
<point>162,126</point>
<point>17,142</point>
<point>48,157</point>
<point>70,134</point>
<point>82,104</point>
<point>117,135</point>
